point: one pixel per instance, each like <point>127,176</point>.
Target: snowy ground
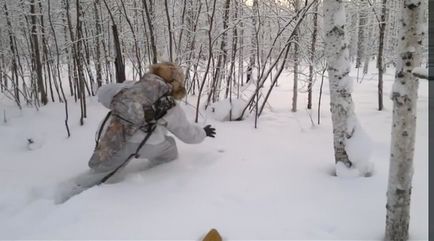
<point>273,182</point>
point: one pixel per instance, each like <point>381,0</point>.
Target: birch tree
<point>404,97</point>
<point>312,57</point>
<point>341,103</point>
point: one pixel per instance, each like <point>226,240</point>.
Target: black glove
<point>210,131</point>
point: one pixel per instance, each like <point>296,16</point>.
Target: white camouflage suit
<point>158,149</point>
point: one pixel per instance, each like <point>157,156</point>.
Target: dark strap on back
<point>151,129</point>
<point>135,155</point>
<point>102,127</point>
<point>152,115</point>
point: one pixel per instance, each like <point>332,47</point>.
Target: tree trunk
<point>65,20</point>
<point>371,18</point>
<point>79,65</point>
<point>151,32</point>
<point>210,56</point>
<point>320,94</point>
<point>404,96</point>
<point>380,65</point>
<point>37,54</point>
<point>98,66</point>
<point>241,56</point>
<point>2,64</point>
<point>337,54</point>
<point>252,58</point>
<point>169,30</point>
<point>296,53</point>
<point>91,90</point>
<point>119,62</point>
<point>136,45</point>
<point>178,49</point>
<point>222,57</point>
<point>312,57</point>
<point>192,23</point>
<point>361,34</point>
<point>14,67</point>
<point>65,101</point>
<point>229,79</point>
<point>46,55</point>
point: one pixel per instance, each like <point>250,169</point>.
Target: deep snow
<point>274,182</point>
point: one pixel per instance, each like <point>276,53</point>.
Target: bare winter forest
<point>221,44</point>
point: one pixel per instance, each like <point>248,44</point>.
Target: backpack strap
<point>158,110</point>
<point>98,136</point>
<point>151,129</point>
<point>135,155</point>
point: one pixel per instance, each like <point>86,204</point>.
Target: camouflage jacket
<point>127,100</point>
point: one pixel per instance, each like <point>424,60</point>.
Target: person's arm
<point>186,131</point>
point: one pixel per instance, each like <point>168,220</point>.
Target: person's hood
<point>173,75</point>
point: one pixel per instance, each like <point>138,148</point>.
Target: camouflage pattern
<point>128,116</point>
<point>130,101</point>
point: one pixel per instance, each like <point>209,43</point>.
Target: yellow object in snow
<point>212,235</point>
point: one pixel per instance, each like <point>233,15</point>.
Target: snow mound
<point>34,143</point>
<point>359,150</point>
<point>344,171</point>
<point>222,110</point>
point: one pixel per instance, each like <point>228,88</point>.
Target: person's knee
<point>171,140</point>
<point>105,162</point>
<point>173,149</point>
<point>169,153</point>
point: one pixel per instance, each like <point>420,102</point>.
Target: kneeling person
<point>135,130</point>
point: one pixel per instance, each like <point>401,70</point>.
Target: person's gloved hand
<point>210,131</point>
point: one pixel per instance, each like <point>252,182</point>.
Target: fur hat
<point>171,74</point>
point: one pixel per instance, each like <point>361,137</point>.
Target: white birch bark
<point>404,96</point>
<point>341,103</point>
